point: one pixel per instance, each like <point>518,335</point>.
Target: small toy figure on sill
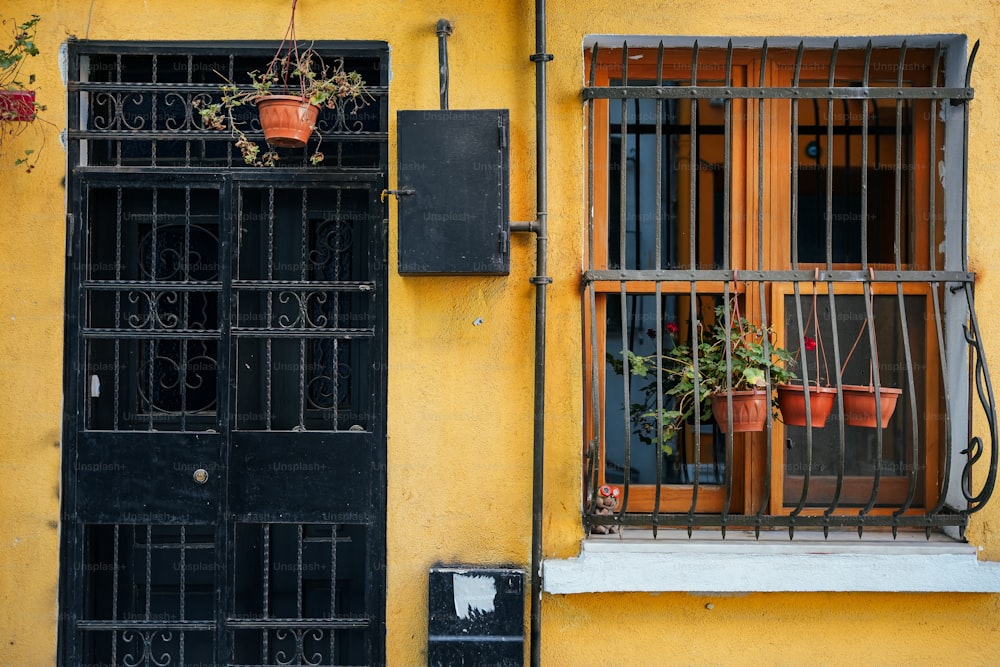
<point>607,503</point>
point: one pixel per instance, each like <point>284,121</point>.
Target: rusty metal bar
<point>766,93</point>
<point>693,260</point>
<point>802,275</point>
<point>658,263</point>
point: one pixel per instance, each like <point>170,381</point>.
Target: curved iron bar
<point>658,242</point>
<point>914,415</point>
<point>693,254</point>
<point>915,452</point>
<point>147,657</point>
<point>591,474</point>
<point>842,435</point>
<point>984,388</point>
<point>807,472</point>
<point>727,233</point>
<point>897,227</point>
<point>945,477</point>
<point>622,246</point>
<point>730,438</point>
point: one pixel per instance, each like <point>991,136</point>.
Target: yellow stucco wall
<point>460,396</point>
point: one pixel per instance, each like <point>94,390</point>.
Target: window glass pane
<point>678,454</point>
<point>635,190</point>
<point>861,453</point>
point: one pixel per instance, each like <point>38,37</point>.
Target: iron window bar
<point>949,293</point>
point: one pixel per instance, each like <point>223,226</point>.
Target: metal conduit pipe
<point>444,30</point>
<point>540,280</point>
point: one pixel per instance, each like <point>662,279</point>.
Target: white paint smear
<point>474,594</point>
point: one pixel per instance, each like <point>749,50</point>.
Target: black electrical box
<point>476,617</point>
<point>454,192</point>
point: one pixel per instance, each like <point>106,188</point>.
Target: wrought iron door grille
<point>305,613</point>
<point>138,108</point>
<point>806,186</point>
<point>304,302</point>
<point>302,307</point>
<point>152,595</point>
<point>153,286</point>
<point>155,595</point>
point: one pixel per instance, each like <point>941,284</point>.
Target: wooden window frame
<point>748,492</point>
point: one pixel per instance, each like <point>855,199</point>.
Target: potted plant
<point>288,94</point>
<point>18,107</point>
<point>733,365</point>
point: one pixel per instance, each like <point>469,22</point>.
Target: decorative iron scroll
<point>984,389</point>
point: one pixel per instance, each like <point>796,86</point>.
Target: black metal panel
<point>123,479</point>
<point>476,616</point>
<point>305,477</point>
<point>456,220</point>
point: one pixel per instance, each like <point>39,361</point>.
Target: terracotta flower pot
<point>749,410</point>
<point>287,120</point>
<point>859,404</point>
<point>792,402</point>
<point>17,105</point>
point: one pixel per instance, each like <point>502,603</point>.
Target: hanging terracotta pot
<point>859,404</point>
<point>792,402</point>
<point>17,105</point>
<point>287,120</point>
<point>749,410</point>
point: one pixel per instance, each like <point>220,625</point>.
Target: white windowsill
<point>705,563</point>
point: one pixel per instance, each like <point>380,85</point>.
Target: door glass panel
<point>304,304</point>
<point>153,322</point>
<point>151,595</point>
<point>310,609</point>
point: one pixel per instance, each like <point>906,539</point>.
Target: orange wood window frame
<point>748,456</point>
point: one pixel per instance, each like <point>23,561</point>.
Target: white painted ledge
<point>633,562</point>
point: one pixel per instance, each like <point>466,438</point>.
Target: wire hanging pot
<point>287,120</point>
<point>792,397</point>
<point>862,403</point>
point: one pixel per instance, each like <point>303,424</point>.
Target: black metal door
<point>225,502</point>
<point>224,433</point>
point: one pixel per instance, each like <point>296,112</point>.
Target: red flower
<point>810,344</point>
<point>673,329</point>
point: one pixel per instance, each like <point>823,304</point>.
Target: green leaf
<point>755,377</point>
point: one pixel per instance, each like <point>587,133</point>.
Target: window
<point>816,189</point>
